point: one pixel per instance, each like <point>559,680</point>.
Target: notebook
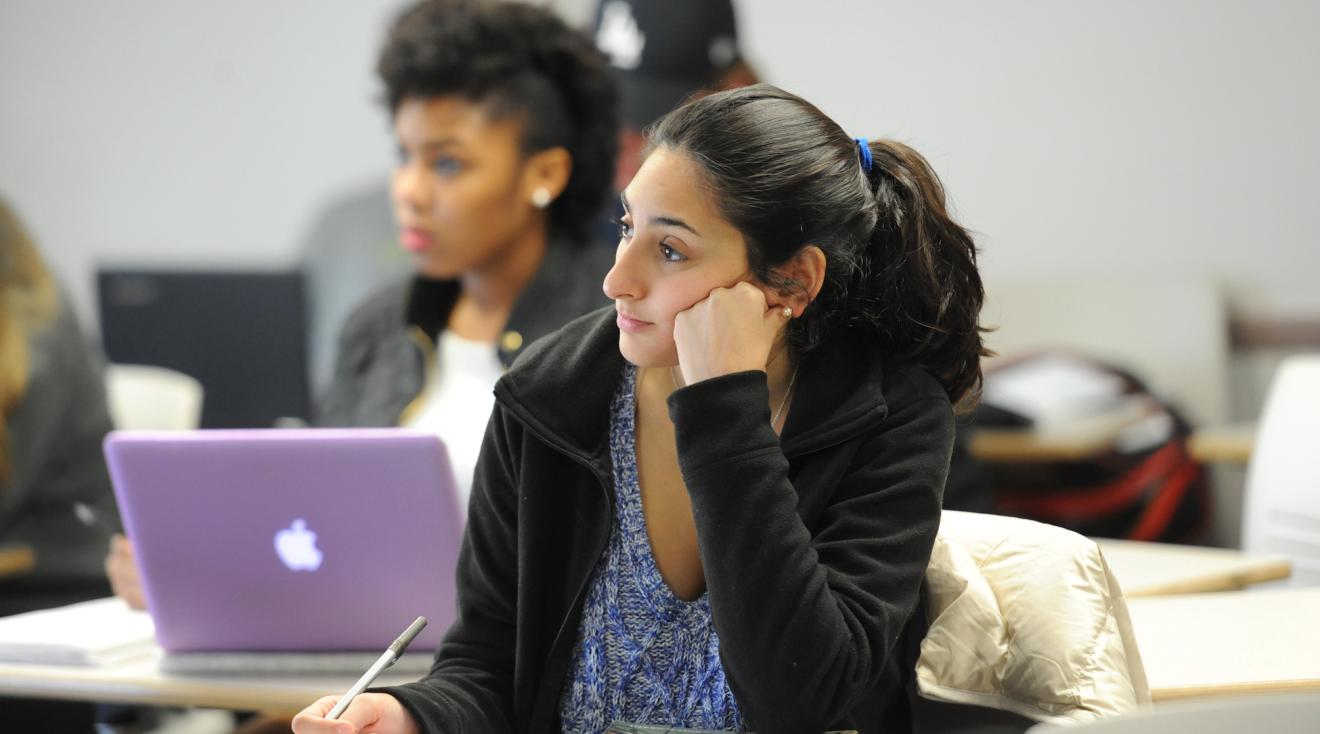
<point>98,632</point>
<point>297,540</point>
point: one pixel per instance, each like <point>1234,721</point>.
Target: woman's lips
<point>631,325</point>
<point>415,240</point>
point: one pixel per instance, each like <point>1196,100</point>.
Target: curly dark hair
<point>520,61</point>
<point>898,267</point>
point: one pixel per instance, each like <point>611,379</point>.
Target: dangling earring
<point>541,198</point>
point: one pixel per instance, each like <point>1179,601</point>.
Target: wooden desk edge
<point>1227,445</point>
<point>1175,693</point>
<point>130,694</point>
<point>1008,446</point>
<point>1079,439</point>
<point>1274,571</point>
<point>15,560</point>
<point>1222,444</point>
<point>101,685</point>
<point>137,691</point>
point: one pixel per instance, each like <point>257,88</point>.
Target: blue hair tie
<point>864,146</point>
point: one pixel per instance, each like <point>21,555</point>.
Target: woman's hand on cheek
<point>732,330</point>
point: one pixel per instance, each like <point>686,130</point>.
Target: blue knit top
<point>642,655</point>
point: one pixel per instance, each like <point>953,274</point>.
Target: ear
<point>547,170</point>
<point>806,270</point>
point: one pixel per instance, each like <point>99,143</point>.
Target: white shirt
<point>457,401</point>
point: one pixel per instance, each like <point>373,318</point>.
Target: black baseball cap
<point>664,50</point>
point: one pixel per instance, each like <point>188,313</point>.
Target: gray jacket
<point>55,438</point>
<point>388,342</point>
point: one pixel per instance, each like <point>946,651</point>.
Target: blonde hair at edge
<point>27,302</point>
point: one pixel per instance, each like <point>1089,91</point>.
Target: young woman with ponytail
<point>712,505</point>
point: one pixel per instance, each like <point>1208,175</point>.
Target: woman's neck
<point>780,377</point>
<point>489,291</point>
<point>781,374</point>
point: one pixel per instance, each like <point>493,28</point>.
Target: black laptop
<point>242,334</point>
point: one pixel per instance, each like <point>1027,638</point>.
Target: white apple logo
<point>296,547</point>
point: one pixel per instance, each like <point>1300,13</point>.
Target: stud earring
<point>541,198</point>
<point>788,312</point>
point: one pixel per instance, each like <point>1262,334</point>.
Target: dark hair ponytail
<point>925,290</point>
<point>898,268</point>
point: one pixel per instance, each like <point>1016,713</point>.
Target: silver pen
<point>385,660</point>
<point>92,518</point>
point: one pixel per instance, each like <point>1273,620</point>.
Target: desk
<point>142,682</point>
<point>1158,569</point>
<point>16,559</point>
<point>1080,439</point>
<point>1214,445</point>
<point>1223,444</point>
<point>1230,642</point>
<point>1211,445</point>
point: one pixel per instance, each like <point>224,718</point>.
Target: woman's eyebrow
<point>438,144</point>
<point>668,221</point>
<point>675,222</point>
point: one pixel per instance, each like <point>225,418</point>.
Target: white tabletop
<point>1229,642</point>
<point>142,681</point>
<point>1154,569</point>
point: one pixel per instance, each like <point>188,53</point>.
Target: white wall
<point>1095,137</point>
<point>186,132</point>
<point>1076,137</point>
<point>1083,137</point>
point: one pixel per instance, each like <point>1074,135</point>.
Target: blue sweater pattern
<point>642,655</point>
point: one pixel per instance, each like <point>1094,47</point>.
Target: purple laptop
<point>298,540</point>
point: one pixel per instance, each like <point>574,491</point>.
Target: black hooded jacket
<point>389,340</point>
<point>814,545</point>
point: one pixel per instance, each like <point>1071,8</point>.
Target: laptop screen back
<point>300,540</point>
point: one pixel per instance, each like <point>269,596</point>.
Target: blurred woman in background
<point>52,397</point>
<point>506,123</point>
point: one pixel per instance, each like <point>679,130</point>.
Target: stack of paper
<point>1054,391</point>
<point>99,632</point>
<point>1067,397</point>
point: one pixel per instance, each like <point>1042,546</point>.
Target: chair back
<point>1281,511</point>
<point>1027,618</point>
<point>143,397</point>
<point>1172,331</point>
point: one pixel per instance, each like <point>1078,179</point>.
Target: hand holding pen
<point>120,563</point>
<point>353,713</point>
<point>121,568</point>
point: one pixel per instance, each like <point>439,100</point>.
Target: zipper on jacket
<point>427,345</point>
<point>579,596</point>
